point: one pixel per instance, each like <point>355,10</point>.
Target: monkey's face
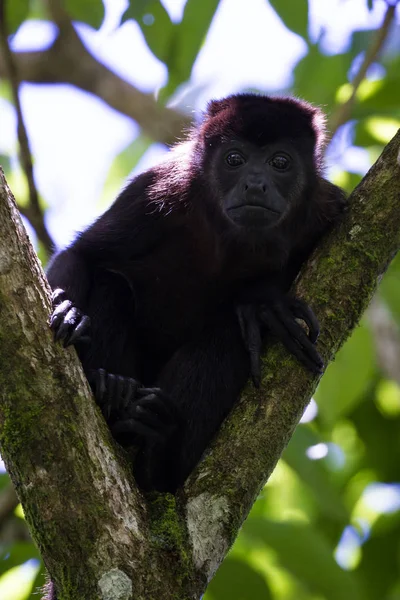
<point>259,185</point>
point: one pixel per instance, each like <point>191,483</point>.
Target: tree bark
<point>95,530</point>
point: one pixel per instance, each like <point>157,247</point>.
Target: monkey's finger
<point>59,313</point>
<point>302,311</point>
<point>297,333</point>
<point>67,326</point>
<point>78,332</point>
<point>131,388</point>
<point>64,329</point>
<point>57,296</point>
<point>160,405</point>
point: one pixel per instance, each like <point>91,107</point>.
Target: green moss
<point>165,527</point>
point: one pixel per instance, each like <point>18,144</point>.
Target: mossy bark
<point>90,522</point>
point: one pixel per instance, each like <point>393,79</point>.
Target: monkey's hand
<point>279,316</point>
<point>68,323</point>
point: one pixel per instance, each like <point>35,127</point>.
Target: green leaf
<point>348,377</point>
<point>317,76</point>
<point>16,12</point>
<point>237,580</point>
<point>122,165</point>
<point>38,583</point>
<point>13,555</point>
<point>382,100</point>
<point>188,38</point>
<point>5,162</point>
<point>389,289</point>
<point>155,23</point>
<point>307,555</point>
<point>360,40</point>
<point>293,14</point>
<point>90,12</point>
<point>314,474</point>
<point>4,481</point>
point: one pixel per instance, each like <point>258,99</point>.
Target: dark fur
<point>160,272</point>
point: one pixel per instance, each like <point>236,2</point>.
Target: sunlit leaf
<point>383,128</point>
<point>318,76</point>
<point>314,474</point>
<point>293,14</point>
<point>38,583</point>
<point>16,12</point>
<point>382,97</point>
<point>237,580</point>
<point>188,38</point>
<point>307,555</point>
<point>15,554</point>
<point>155,24</point>
<point>90,12</point>
<point>16,583</point>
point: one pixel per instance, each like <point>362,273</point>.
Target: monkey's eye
<point>234,159</point>
<point>280,162</point>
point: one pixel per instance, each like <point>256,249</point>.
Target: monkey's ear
<point>216,106</point>
<point>332,200</point>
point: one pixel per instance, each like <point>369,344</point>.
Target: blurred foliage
<point>327,525</point>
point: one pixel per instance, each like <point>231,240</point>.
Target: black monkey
<point>165,294</point>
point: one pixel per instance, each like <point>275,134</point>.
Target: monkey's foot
<point>67,322</point>
<point>152,418</point>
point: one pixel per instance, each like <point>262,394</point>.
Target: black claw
<point>78,332</point>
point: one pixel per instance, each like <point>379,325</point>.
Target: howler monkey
<point>166,293</point>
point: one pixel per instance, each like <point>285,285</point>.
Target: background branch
<point>343,112</point>
<point>33,211</point>
<point>69,61</point>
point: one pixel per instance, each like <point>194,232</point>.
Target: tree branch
<point>343,112</point>
<point>91,524</point>
<point>69,61</point>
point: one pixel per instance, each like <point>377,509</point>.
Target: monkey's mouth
<point>253,215</point>
<point>258,206</point>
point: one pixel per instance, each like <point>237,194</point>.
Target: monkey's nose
<point>255,185</point>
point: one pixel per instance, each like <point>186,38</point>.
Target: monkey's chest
<point>173,310</point>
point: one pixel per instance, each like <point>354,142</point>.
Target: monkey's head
<point>262,157</point>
